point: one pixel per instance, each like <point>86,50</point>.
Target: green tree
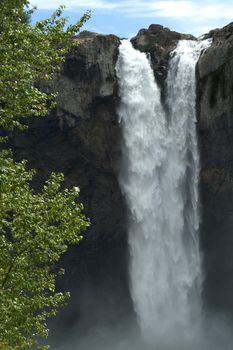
<point>35,227</point>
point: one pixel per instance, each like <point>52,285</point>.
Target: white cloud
<point>195,14</point>
<point>192,9</point>
<point>168,8</point>
<point>183,9</point>
<point>74,4</point>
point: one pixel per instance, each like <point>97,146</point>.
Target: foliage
<point>36,228</point>
<point>28,54</point>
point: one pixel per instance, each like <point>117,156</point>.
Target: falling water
<point>160,181</point>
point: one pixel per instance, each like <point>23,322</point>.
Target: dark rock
<point>158,42</point>
<point>220,34</point>
<point>215,125</point>
<point>81,139</point>
<point>88,76</point>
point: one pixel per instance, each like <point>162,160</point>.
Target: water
<point>159,179</point>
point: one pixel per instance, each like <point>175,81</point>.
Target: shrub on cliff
<point>35,228</point>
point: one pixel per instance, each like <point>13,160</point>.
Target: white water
<point>160,182</point>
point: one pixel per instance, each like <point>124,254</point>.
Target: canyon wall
<point>215,125</point>
<point>82,139</point>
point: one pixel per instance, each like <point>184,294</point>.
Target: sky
<point>125,17</point>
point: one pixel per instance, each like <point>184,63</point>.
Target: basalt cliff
<point>82,139</point>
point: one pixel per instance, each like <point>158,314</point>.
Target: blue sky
<point>125,17</point>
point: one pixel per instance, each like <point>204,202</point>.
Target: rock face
<point>88,77</point>
<point>82,138</point>
<point>158,42</point>
<point>215,128</point>
<point>215,124</point>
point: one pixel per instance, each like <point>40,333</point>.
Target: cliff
<point>215,125</point>
<point>214,122</point>
<point>82,139</point>
<point>158,42</point>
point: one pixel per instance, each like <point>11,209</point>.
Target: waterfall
<point>159,179</point>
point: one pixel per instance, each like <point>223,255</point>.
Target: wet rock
<point>215,126</point>
<point>158,41</point>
